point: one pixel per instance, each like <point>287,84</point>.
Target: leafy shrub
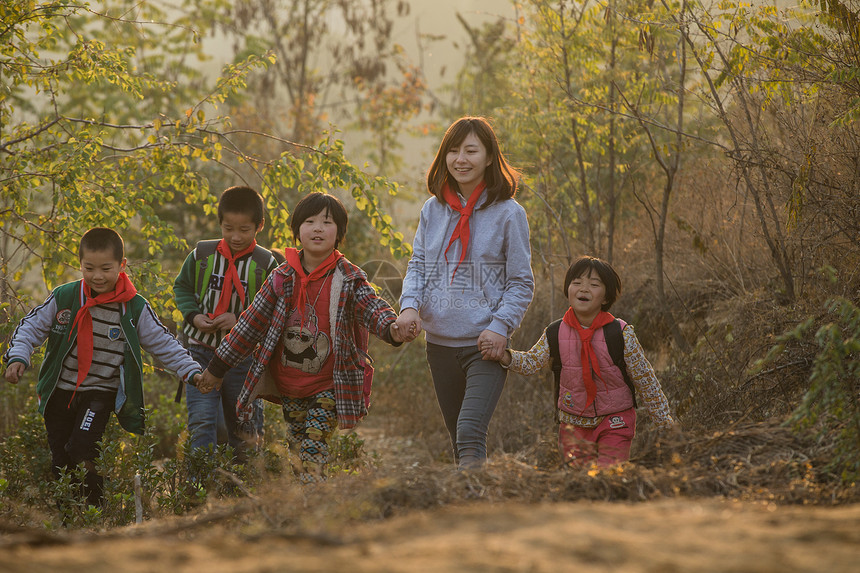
<point>173,479</point>
<point>831,405</point>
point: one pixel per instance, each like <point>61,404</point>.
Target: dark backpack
<point>614,342</point>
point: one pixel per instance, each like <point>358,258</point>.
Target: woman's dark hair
<point>583,266</point>
<point>500,177</point>
<point>313,203</point>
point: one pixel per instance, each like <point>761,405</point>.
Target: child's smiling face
<point>239,231</point>
<point>318,235</point>
<point>100,269</point>
<point>586,295</point>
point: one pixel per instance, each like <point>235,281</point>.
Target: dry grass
<point>752,462</point>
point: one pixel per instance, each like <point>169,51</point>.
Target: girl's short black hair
<point>102,239</point>
<point>584,265</point>
<point>313,203</point>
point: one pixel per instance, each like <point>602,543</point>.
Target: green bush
<point>173,479</point>
<point>831,406</point>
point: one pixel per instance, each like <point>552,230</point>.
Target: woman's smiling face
<point>467,162</point>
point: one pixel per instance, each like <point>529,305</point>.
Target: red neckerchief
<point>461,231</point>
<point>587,356</point>
<point>124,291</point>
<point>294,259</point>
<point>231,277</point>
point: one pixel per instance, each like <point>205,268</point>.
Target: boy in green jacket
<point>95,329</point>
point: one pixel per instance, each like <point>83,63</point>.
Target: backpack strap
<point>261,257</point>
<point>555,362</point>
<point>204,252</point>
<point>612,332</point>
<point>552,339</point>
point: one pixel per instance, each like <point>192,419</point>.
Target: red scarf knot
<point>231,277</point>
<point>461,231</point>
<point>587,355</point>
<point>303,279</point>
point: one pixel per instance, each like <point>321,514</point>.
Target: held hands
<point>396,333</point>
<point>206,382</point>
<point>492,345</point>
<point>14,372</point>
<point>407,326</point>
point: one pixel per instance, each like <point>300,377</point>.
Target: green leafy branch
<point>831,405</point>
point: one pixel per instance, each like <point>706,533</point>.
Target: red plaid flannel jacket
<point>261,326</point>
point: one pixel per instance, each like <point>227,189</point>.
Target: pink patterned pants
<point>606,444</point>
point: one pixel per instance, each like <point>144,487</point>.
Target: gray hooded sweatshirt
<point>492,287</point>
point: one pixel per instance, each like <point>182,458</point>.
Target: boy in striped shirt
<point>217,282</point>
<point>95,329</point>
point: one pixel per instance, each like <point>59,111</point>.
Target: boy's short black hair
<point>313,203</point>
<point>242,200</point>
<point>583,266</point>
<point>102,239</point>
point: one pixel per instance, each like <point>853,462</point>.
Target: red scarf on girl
<point>303,279</point>
<point>587,356</point>
<point>231,277</point>
<point>461,231</point>
<point>124,291</point>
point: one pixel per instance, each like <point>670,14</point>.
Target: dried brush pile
<point>762,462</point>
<point>750,462</point>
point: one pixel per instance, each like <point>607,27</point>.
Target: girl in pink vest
<point>596,406</point>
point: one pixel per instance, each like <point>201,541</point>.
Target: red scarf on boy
<point>124,291</point>
<point>461,231</point>
<point>587,355</point>
<point>231,277</point>
<point>303,279</point>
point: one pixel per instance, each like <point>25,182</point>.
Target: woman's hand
<point>408,325</point>
<point>492,345</point>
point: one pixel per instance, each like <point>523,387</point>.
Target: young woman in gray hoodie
<point>469,281</point>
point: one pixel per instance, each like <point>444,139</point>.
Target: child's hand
<point>203,323</point>
<point>408,324</point>
<point>196,380</point>
<point>397,335</point>
<point>224,321</point>
<point>208,382</point>
<point>14,372</point>
<point>492,345</point>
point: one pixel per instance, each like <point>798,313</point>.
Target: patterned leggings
<point>310,423</point>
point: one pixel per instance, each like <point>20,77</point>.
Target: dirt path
<point>339,527</point>
<point>664,536</point>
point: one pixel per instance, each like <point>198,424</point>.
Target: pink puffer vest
<point>613,395</point>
